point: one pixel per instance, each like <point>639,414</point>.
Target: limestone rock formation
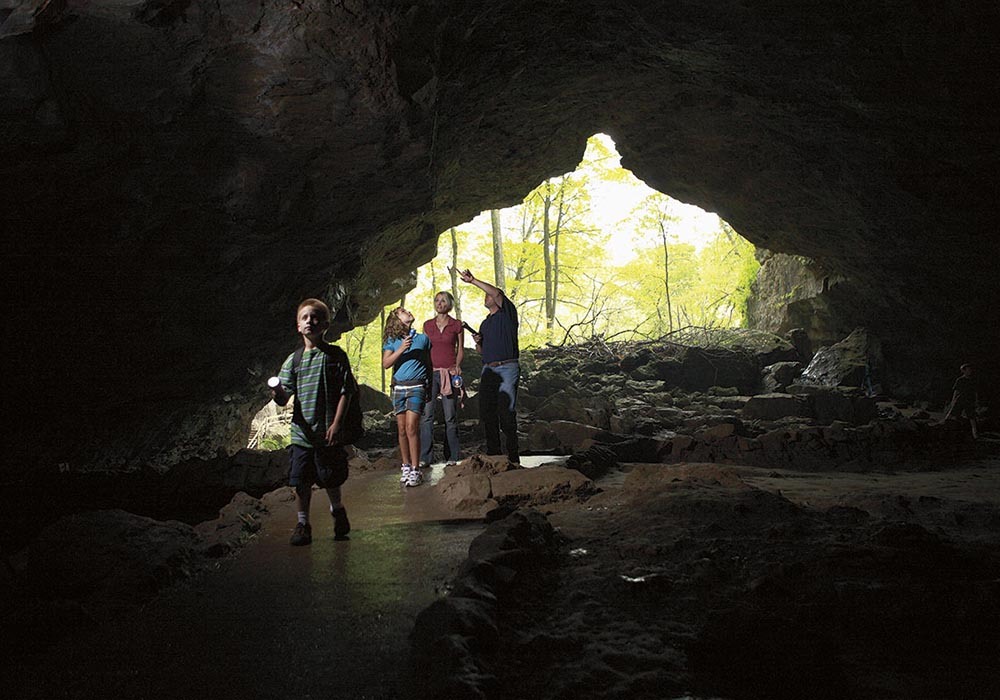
<point>855,361</point>
<point>792,291</point>
<point>177,175</point>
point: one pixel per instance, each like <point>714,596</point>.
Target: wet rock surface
<point>700,580</point>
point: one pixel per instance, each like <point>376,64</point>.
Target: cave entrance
<point>594,253</point>
<point>591,254</point>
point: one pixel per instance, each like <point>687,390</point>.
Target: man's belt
<point>499,362</point>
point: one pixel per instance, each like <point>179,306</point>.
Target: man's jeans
<point>449,403</point>
<point>497,400</point>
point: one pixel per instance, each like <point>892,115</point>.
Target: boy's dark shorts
<point>324,466</point>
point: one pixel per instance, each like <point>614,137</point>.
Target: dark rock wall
<point>787,294</point>
<point>177,175</point>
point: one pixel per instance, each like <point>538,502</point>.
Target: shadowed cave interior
<point>178,175</point>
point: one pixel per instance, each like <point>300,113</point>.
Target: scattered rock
<point>540,485</point>
<point>110,555</point>
<point>454,639</point>
<point>776,378</point>
<point>237,521</point>
<point>774,406</point>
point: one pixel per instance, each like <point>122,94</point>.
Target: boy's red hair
<point>318,303</point>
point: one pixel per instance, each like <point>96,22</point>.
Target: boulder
<point>468,492</point>
<point>642,449</point>
<point>774,406</point>
<point>238,520</point>
<point>482,464</point>
<point>594,461</point>
<point>777,377</point>
<point>110,555</point>
<point>698,369</point>
<point>566,404</point>
<point>633,361</point>
<point>374,400</point>
<point>837,404</point>
<point>453,640</point>
<point>256,471</point>
<point>561,435</point>
<point>718,432</point>
<point>540,485</point>
<point>799,338</point>
<point>855,361</point>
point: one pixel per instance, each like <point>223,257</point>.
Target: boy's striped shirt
<point>309,385</point>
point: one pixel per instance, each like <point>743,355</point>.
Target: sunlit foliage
<point>624,261</point>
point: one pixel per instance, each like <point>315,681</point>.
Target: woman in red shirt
<point>447,339</point>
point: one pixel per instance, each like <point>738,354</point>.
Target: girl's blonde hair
<point>394,328</point>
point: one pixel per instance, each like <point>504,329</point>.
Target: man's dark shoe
<point>341,525</point>
<point>302,535</point>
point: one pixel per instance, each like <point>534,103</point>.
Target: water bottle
<point>273,383</point>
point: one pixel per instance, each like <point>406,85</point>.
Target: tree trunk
<point>555,252</point>
<point>382,315</point>
<point>547,258</point>
<point>498,276</point>
<point>666,276</point>
<point>361,347</point>
<point>527,228</point>
<point>454,273</point>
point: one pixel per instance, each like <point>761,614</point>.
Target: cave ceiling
<point>178,174</point>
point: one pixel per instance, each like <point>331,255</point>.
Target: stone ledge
<point>454,638</point>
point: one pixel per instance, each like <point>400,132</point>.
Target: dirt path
<point>328,620</point>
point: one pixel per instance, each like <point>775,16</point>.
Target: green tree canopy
<point>576,272</point>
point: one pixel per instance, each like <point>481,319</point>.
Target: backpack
<point>352,429</point>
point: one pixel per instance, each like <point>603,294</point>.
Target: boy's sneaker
<point>341,525</point>
<point>415,478</point>
<point>302,535</point>
<point>425,465</point>
<point>405,473</point>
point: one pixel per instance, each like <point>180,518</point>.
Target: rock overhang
<point>181,178</point>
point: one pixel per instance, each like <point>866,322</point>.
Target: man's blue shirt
<point>499,331</point>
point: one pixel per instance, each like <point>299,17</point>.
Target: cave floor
<point>698,580</point>
<point>328,620</point>
<point>709,580</point>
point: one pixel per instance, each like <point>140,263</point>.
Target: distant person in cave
<point>447,337</point>
<point>965,398</point>
<point>497,341</point>
<point>320,378</point>
<point>407,352</point>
